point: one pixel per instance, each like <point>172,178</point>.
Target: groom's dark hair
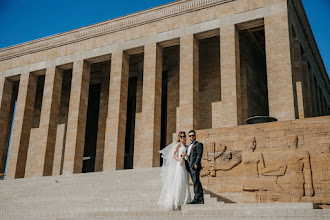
<point>192,131</point>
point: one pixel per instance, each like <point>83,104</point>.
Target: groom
<point>195,153</point>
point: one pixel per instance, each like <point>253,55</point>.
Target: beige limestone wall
<point>281,168</point>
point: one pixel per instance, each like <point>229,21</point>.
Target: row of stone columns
<point>147,138</point>
<point>309,99</point>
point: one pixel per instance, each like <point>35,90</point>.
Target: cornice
<point>106,27</point>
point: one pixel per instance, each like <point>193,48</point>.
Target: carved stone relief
<point>217,158</point>
<point>288,179</point>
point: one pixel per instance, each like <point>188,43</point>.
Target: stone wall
<point>285,161</point>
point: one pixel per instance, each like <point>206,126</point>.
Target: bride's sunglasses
<point>182,136</point>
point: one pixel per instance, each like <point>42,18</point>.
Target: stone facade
<point>109,96</point>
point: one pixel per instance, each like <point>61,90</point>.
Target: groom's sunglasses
<point>192,135</point>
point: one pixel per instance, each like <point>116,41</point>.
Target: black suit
<point>195,158</point>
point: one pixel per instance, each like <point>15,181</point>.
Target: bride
<point>175,191</point>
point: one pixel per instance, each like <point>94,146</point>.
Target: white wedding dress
<point>175,191</point>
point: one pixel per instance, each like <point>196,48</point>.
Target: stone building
<point>109,96</point>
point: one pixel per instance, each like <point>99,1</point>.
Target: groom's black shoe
<point>197,202</point>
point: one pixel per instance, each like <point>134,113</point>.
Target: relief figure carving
<point>217,158</point>
<point>320,167</point>
<point>297,181</point>
<point>254,168</point>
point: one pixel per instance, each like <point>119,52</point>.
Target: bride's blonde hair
<point>179,135</point>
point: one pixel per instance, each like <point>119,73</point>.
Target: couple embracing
<point>178,161</point>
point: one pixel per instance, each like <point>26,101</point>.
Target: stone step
<point>69,200</point>
<point>95,201</point>
<point>196,217</point>
<point>83,183</point>
<point>131,194</point>
<point>78,193</point>
<point>125,173</point>
<point>247,206</point>
<point>199,214</point>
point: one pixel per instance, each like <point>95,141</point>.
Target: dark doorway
<point>91,128</point>
<point>163,130</point>
<point>253,73</point>
<point>130,123</point>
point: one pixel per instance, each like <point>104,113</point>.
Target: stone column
<point>279,72</point>
<point>317,97</point>
<point>230,109</point>
<point>312,91</point>
<point>306,87</point>
<point>320,100</point>
<point>42,162</point>
<point>22,126</point>
<point>187,113</point>
<point>6,90</point>
<point>296,73</point>
<point>58,152</point>
<point>114,147</point>
<point>75,138</point>
<point>146,153</point>
<point>300,101</point>
<point>104,97</point>
<point>323,106</point>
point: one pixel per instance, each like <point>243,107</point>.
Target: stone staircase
<point>126,194</point>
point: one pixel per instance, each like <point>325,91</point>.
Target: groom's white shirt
<point>190,147</point>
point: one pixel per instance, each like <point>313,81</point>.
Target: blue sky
<point>25,20</point>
